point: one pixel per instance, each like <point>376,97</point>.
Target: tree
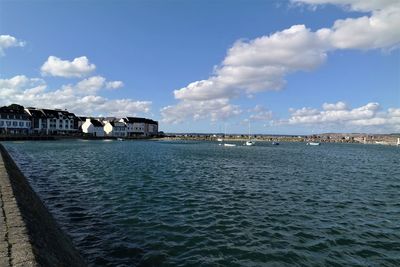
<point>16,107</point>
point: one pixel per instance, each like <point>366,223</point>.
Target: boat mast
<point>249,129</point>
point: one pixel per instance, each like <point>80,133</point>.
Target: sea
<point>187,203</point>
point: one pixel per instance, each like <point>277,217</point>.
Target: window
<point>21,124</point>
<point>1,123</point>
<point>15,123</point>
<point>8,123</point>
<point>28,124</point>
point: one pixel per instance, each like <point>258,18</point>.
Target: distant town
<point>16,120</point>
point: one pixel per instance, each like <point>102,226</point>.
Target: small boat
<point>275,143</point>
<point>229,144</point>
<point>313,144</point>
<point>249,143</point>
<point>120,139</point>
<point>220,139</point>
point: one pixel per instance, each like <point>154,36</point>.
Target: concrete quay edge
<point>29,235</point>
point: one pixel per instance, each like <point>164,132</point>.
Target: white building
<point>14,120</point>
<point>115,128</point>
<point>93,127</point>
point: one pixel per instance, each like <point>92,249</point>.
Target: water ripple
<point>199,204</point>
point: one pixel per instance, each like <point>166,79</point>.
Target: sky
<point>276,67</point>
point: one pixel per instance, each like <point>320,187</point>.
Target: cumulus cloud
<point>92,85</point>
<point>218,109</point>
<point>80,98</point>
<point>379,30</point>
<point>261,64</point>
<point>7,41</point>
<point>79,67</point>
<point>339,114</point>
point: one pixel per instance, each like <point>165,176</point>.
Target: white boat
<point>249,143</point>
<point>222,140</point>
<point>120,139</point>
<point>229,144</point>
<point>313,143</point>
<point>275,143</point>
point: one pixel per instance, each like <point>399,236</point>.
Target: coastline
<point>29,235</point>
<point>280,139</point>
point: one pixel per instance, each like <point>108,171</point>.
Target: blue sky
<point>251,58</point>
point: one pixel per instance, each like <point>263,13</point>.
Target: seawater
<point>158,203</point>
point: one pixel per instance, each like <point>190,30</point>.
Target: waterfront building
<point>115,128</point>
<point>52,121</point>
<point>140,126</point>
<point>38,120</point>
<point>14,120</point>
<point>93,127</point>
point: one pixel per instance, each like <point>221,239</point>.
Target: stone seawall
<point>29,235</point>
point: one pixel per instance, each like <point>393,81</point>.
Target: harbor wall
<point>29,235</point>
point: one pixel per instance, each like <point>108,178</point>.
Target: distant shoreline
<point>370,139</point>
<point>378,139</point>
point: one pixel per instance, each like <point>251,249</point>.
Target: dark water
<point>198,204</point>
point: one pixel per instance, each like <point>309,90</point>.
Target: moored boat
<point>249,143</point>
<point>229,144</point>
<point>313,144</point>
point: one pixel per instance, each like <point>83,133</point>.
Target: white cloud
<point>81,98</point>
<point>10,87</point>
<point>218,109</point>
<point>377,31</point>
<point>7,41</point>
<point>338,114</point>
<point>114,85</point>
<point>336,106</point>
<point>91,85</point>
<point>259,65</point>
<point>79,67</point>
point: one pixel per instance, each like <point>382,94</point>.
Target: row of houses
<point>16,119</point>
<point>119,127</point>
